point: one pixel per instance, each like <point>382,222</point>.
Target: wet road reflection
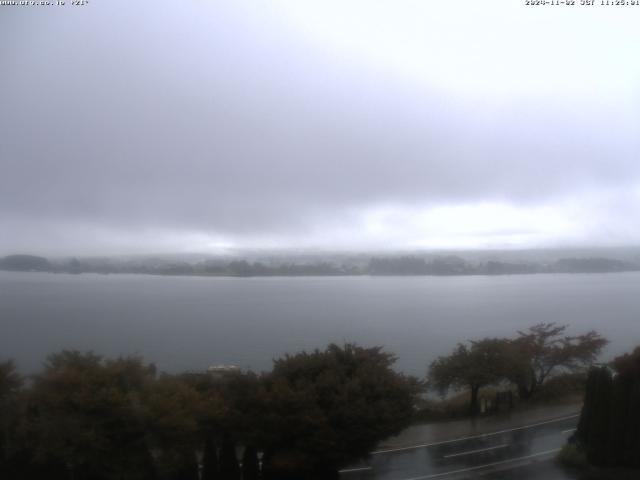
<point>469,456</point>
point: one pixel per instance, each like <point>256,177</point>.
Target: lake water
<point>186,323</point>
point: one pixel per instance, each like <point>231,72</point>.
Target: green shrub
<point>562,386</point>
<point>572,456</point>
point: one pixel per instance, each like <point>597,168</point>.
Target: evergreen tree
<point>594,426</point>
<point>250,464</point>
<point>210,466</point>
<point>609,426</point>
<point>229,468</point>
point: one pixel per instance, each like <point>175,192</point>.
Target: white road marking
<point>476,451</point>
<point>351,470</point>
<point>484,435</point>
<point>479,467</point>
<point>564,432</point>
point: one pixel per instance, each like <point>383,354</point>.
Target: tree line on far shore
<point>441,265</point>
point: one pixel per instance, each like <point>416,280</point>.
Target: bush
<point>572,456</point>
<point>327,408</point>
<point>562,386</point>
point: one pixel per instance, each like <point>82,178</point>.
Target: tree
<point>229,468</point>
<point>250,464</point>
<point>232,405</point>
<point>543,349</point>
<point>175,411</point>
<point>87,418</point>
<point>625,424</point>
<point>10,384</point>
<point>595,419</point>
<point>10,380</point>
<point>210,466</point>
<point>483,362</point>
<point>330,407</point>
<point>609,427</point>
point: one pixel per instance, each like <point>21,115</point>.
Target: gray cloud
<point>229,122</point>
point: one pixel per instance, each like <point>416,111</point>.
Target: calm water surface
<point>190,322</point>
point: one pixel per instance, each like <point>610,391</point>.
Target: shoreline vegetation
<point>88,417</point>
<point>406,265</point>
<point>606,443</point>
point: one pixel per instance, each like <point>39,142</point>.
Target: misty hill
<point>407,265</point>
<point>319,265</point>
<point>593,265</point>
<point>25,263</point>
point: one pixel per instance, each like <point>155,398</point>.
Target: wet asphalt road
<point>513,453</point>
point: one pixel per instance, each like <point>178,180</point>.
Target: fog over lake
<point>185,323</point>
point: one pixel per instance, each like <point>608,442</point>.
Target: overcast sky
<point>205,125</point>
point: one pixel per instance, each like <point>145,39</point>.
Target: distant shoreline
<point>435,266</point>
